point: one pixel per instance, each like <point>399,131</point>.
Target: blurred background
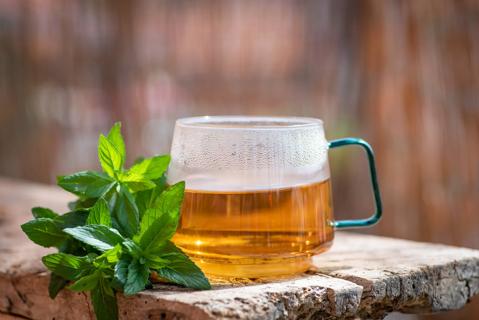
<point>403,75</point>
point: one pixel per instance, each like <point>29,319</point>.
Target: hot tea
<point>236,230</point>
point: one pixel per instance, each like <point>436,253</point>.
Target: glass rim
<point>248,122</point>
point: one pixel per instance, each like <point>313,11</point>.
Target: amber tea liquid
<point>256,233</point>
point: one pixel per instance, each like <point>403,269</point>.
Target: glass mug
<point>258,197</point>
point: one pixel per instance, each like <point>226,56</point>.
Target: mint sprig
<point>118,232</point>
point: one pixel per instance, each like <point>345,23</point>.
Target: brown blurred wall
<point>404,75</point>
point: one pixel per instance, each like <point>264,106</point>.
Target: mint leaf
<point>156,228</point>
<point>44,232</point>
<point>167,202</point>
<point>86,283</point>
<point>72,219</point>
<point>132,248</point>
<point>56,284</point>
<point>139,185</point>
<point>121,271</point>
<point>111,159</point>
<point>148,198</point>
<point>159,224</point>
<point>84,203</point>
<point>39,212</point>
<point>148,169</point>
<point>180,269</point>
<point>99,214</point>
<point>126,213</point>
<point>116,139</point>
<point>67,266</point>
<point>104,301</point>
<point>141,175</point>
<point>111,256</point>
<point>137,278</point>
<point>171,199</point>
<point>88,184</point>
<point>100,237</point>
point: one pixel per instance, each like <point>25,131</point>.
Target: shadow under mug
<point>258,199</point>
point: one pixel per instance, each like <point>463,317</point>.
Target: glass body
<point>258,193</point>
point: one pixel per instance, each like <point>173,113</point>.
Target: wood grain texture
<point>361,275</point>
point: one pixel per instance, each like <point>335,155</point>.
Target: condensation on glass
<point>258,193</point>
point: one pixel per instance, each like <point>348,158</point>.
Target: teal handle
<point>361,223</point>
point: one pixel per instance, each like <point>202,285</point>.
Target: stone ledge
<point>365,276</point>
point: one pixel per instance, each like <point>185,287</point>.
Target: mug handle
<point>373,219</point>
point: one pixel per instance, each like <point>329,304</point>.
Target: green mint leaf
<point>111,198</point>
<point>167,202</point>
<point>87,184</point>
<point>171,199</point>
<point>44,232</point>
<point>135,186</point>
<point>121,271</point>
<point>137,278</point>
<point>72,205</point>
<point>56,284</point>
<point>159,224</point>
<point>132,248</point>
<point>148,198</point>
<point>86,283</point>
<point>155,229</point>
<point>68,266</point>
<point>73,246</point>
<point>82,203</point>
<point>111,159</point>
<point>148,169</point>
<point>154,261</point>
<point>99,214</point>
<point>126,213</point>
<point>100,237</point>
<point>116,139</point>
<point>111,256</point>
<point>72,219</point>
<point>180,269</point>
<point>104,301</point>
<point>39,212</point>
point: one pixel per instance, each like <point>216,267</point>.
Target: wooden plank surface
<point>365,276</point>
